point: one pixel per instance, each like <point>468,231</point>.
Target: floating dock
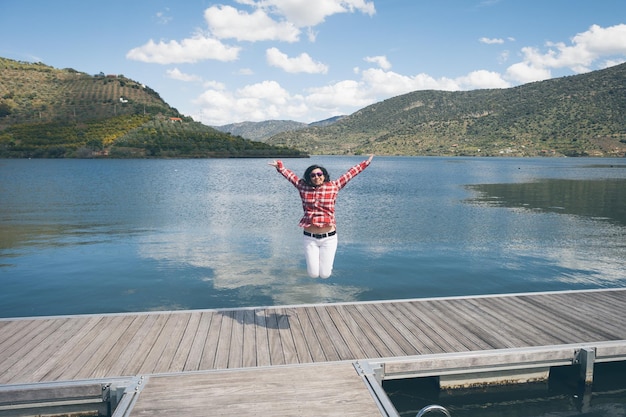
<point>307,360</point>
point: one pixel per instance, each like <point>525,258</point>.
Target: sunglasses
<point>316,174</point>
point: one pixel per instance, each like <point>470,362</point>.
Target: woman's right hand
<point>278,164</point>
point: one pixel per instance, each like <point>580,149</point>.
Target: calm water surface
<point>94,236</point>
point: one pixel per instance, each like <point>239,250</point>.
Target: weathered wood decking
<point>92,347</point>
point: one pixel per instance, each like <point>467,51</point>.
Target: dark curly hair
<point>307,174</point>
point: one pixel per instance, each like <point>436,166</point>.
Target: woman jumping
<point>318,194</point>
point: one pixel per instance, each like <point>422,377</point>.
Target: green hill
<point>572,116</point>
<point>56,113</point>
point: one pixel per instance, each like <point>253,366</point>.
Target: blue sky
<point>308,60</point>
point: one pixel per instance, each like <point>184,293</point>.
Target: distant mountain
<point>58,113</point>
<point>261,131</point>
<point>326,122</point>
<point>581,115</point>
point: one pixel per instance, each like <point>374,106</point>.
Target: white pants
<point>320,255</point>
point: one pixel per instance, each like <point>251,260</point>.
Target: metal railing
<point>430,408</point>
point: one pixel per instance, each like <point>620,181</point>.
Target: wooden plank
<point>593,318</point>
<point>310,336</point>
<point>407,326</point>
<point>223,344</point>
<point>27,360</point>
<point>97,341</point>
<point>157,358</point>
<point>431,340</point>
<point>568,318</point>
<point>277,355</point>
<point>343,324</point>
<point>49,349</point>
<point>197,346</point>
<point>172,336</point>
<point>57,353</point>
<point>568,329</point>
<point>135,366</point>
<point>116,354</point>
<point>370,340</point>
<point>617,298</point>
<point>209,353</point>
<point>100,363</point>
<point>286,337</point>
<point>517,319</point>
<point>513,319</point>
<point>14,331</point>
<point>263,357</point>
<point>380,311</point>
<point>249,339</point>
<point>181,355</point>
<point>325,342</point>
<point>32,335</point>
<point>450,330</point>
<point>544,331</point>
<point>235,357</point>
<point>302,350</point>
<point>337,337</point>
<point>92,364</point>
<point>307,391</point>
<point>130,359</point>
<point>499,333</point>
<point>612,305</point>
<point>367,313</point>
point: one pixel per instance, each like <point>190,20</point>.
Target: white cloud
<point>381,83</point>
<point>176,74</point>
<point>381,61</point>
<point>335,98</point>
<point>214,85</point>
<point>585,49</point>
<point>268,100</point>
<point>524,72</point>
<point>256,102</point>
<point>612,62</point>
<point>302,63</point>
<point>282,20</point>
<point>228,22</point>
<point>482,79</point>
<point>163,18</point>
<point>307,13</point>
<point>491,41</point>
<point>190,50</point>
<point>504,56</point>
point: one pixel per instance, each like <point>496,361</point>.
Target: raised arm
<point>353,172</point>
<point>287,173</point>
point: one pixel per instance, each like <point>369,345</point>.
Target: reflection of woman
<point>318,194</point>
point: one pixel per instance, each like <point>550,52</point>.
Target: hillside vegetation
<point>582,115</point>
<point>56,113</point>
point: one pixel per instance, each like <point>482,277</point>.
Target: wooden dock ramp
<point>310,357</point>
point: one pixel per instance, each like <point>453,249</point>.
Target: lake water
<point>98,236</point>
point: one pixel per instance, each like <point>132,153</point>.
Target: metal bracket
<point>585,357</point>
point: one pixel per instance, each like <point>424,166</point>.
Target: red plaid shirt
<point>319,202</point>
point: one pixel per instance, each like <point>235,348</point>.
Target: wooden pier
<point>309,360</point>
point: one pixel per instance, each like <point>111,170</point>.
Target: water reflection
<point>89,236</point>
<point>600,199</point>
<point>262,266</point>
